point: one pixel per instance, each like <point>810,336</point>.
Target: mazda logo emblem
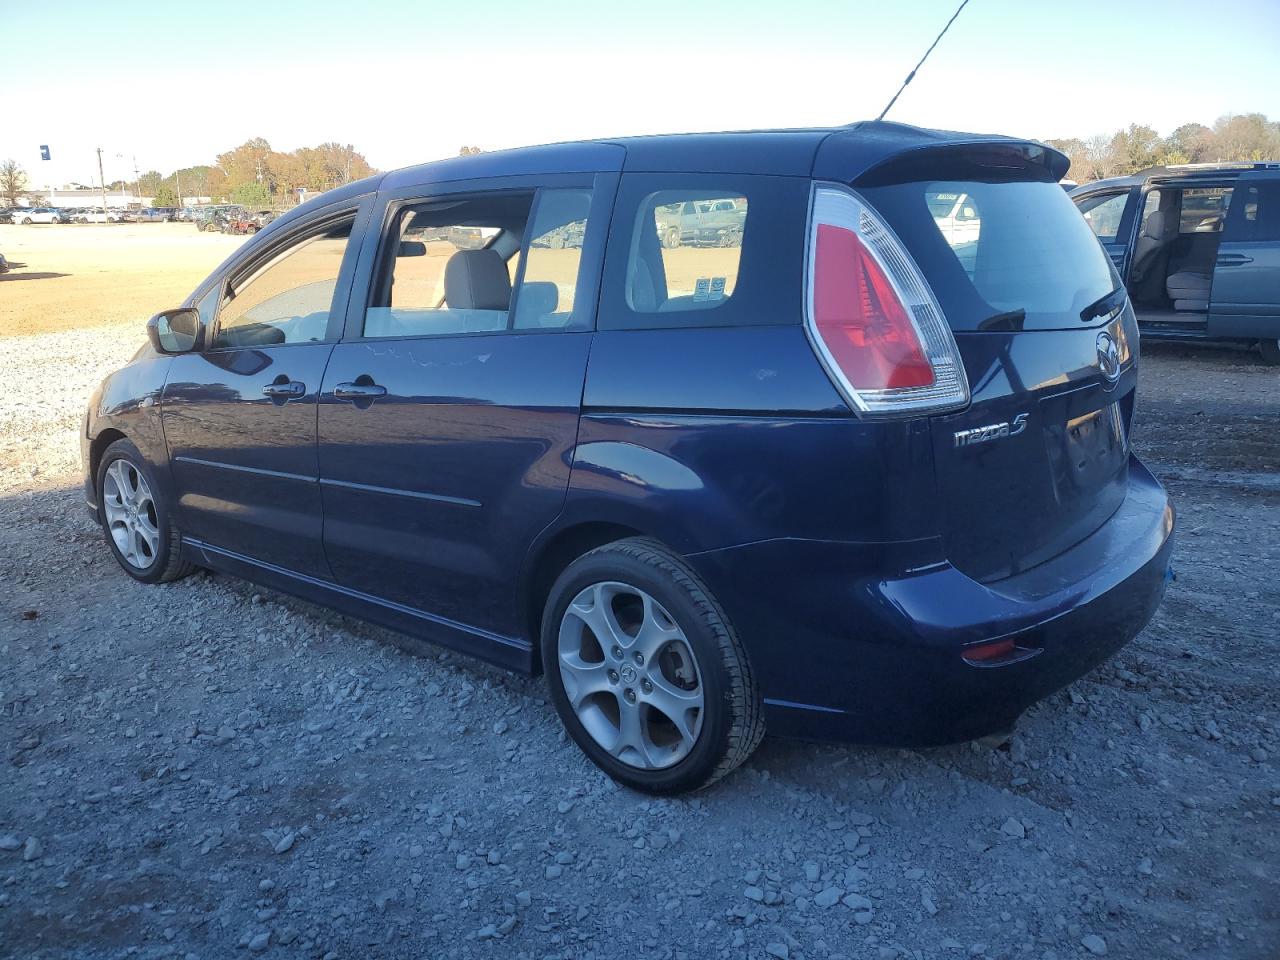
<point>1109,357</point>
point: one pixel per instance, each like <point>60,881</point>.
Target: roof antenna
<point>912,75</point>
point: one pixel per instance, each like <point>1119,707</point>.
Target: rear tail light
<point>871,317</point>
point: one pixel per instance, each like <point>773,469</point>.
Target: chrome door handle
<point>1233,259</point>
<point>362,388</point>
<point>285,389</point>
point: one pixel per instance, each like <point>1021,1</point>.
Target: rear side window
<point>1204,209</point>
<point>696,250</point>
<point>1010,255</point>
<point>701,242</point>
<point>1259,217</point>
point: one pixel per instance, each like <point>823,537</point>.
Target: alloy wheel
<point>131,514</point>
<point>630,675</point>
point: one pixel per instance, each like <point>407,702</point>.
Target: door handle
<point>362,388</point>
<point>283,388</point>
<point>1233,259</point>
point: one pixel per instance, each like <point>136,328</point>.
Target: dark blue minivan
<point>858,468</point>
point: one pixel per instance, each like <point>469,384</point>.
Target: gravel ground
<point>210,770</point>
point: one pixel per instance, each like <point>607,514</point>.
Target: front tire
<point>135,518</point>
<point>646,671</point>
<point>1270,350</point>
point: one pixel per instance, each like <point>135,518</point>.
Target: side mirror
<point>176,331</point>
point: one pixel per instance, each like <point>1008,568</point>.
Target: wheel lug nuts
<point>639,657</point>
<point>646,686</point>
<point>617,653</point>
<point>630,695</point>
<point>613,676</point>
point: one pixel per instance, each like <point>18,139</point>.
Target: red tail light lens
<point>872,318</point>
<point>860,318</point>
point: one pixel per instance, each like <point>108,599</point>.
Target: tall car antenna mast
<point>912,75</point>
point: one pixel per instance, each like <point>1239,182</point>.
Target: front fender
<point>128,402</point>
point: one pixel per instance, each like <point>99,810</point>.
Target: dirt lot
<point>207,770</point>
<point>71,276</point>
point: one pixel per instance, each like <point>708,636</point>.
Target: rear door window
<point>484,263</point>
<point>1011,255</point>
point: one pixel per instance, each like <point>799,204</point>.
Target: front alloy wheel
<point>129,513</point>
<point>135,518</point>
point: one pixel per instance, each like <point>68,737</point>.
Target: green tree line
<point>1235,137</point>
<point>255,175</point>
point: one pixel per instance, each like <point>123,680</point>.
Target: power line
<point>912,75</point>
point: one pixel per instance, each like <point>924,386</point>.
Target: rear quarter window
<point>694,250</point>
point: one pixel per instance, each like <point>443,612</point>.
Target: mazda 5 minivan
<point>852,477</point>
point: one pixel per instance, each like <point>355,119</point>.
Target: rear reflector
<point>871,317</point>
<point>988,651</point>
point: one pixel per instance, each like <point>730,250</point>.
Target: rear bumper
<point>865,642</point>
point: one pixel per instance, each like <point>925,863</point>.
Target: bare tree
<point>13,180</point>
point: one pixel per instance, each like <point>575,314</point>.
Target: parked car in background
<point>152,214</point>
<point>702,223</point>
<point>6,214</point>
<point>830,482</point>
<point>957,219</point>
<point>186,214</point>
<point>246,222</point>
<point>37,215</point>
<point>4,264</point>
<point>96,215</point>
<point>1198,247</point>
<point>213,217</point>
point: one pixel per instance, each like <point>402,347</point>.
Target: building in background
<point>90,197</point>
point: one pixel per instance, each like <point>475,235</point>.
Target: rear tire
<point>135,518</point>
<point>671,239</point>
<point>1270,350</point>
<point>630,598</point>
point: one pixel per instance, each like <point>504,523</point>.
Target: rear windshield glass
<point>1001,256</point>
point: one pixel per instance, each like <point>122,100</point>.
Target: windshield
<point>1014,250</point>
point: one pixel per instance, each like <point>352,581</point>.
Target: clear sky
<point>174,83</point>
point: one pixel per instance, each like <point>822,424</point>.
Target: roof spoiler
<point>876,153</point>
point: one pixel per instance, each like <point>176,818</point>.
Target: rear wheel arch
<point>551,557</point>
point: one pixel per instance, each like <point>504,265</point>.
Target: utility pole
<point>177,178</point>
<point>102,182</point>
<point>137,182</point>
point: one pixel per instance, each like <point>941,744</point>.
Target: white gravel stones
<point>1094,944</point>
<point>260,721</point>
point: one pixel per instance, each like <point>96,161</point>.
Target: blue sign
<point>44,151</point>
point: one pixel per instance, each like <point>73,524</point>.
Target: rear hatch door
<point>1039,459</point>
